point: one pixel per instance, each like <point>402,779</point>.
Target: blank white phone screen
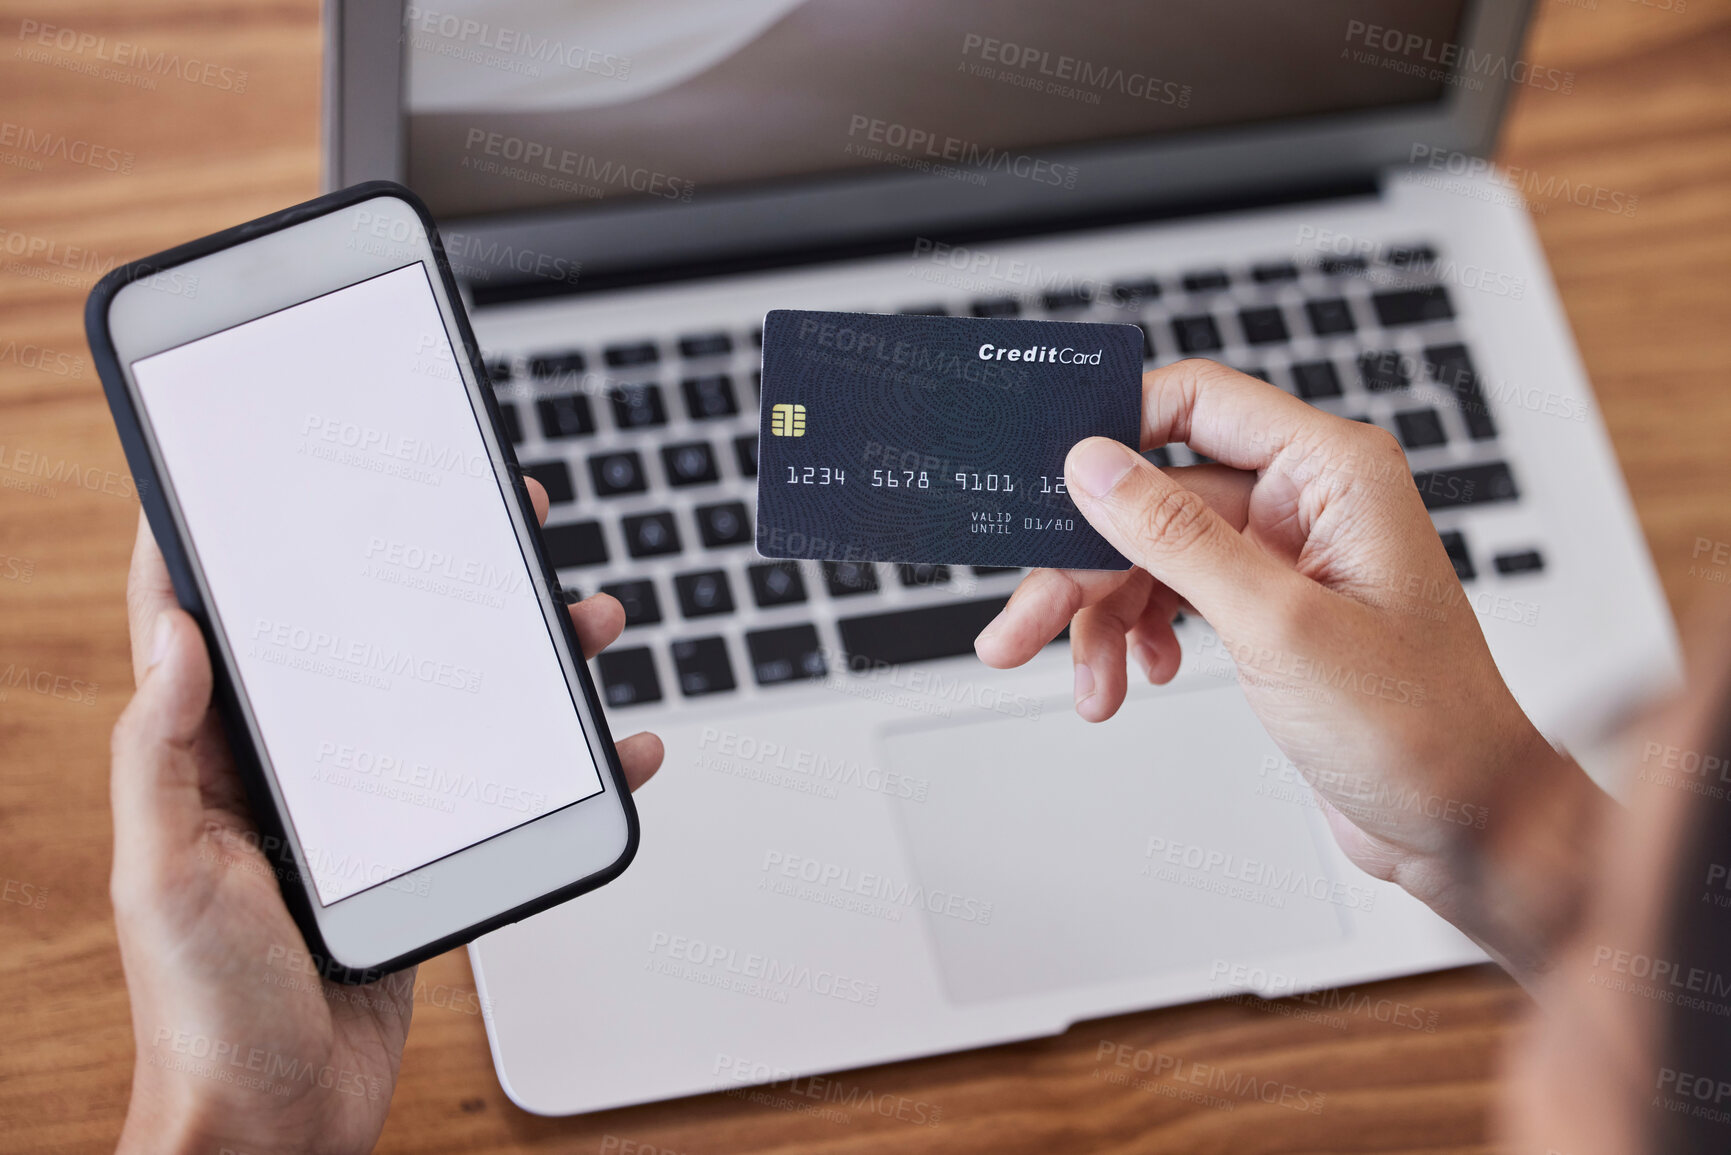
<point>357,546</point>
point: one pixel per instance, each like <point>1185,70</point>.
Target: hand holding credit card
<point>937,440</point>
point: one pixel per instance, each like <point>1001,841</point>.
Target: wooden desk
<point>1650,117</point>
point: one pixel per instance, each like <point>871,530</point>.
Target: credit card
<point>937,440</point>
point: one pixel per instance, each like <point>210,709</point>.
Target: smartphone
<point>315,444</point>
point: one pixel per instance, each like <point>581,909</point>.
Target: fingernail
<point>1099,464</point>
<point>1084,684</point>
<point>160,639</point>
<point>1145,659</point>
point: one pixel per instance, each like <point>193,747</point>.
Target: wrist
<point>1517,884</point>
<point>164,1118</point>
<point>184,1111</point>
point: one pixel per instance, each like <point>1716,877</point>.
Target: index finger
<point>1047,599</point>
<point>1230,416</point>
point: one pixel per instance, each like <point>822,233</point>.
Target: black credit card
<point>937,440</point>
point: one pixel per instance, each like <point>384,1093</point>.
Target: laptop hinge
<point>609,280</point>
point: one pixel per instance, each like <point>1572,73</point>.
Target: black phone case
<point>273,837</point>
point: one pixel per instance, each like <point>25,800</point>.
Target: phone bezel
<point>246,272</point>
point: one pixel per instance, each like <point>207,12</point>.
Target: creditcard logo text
<point>1047,354</point>
<point>787,420</point>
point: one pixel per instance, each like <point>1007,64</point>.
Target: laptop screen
<point>521,105</point>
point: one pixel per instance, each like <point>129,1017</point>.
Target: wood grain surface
<point>1649,117</point>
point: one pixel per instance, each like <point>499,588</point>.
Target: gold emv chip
<point>787,420</point>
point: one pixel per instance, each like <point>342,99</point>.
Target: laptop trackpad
<point>1156,842</point>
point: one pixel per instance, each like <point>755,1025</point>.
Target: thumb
<point>158,806</point>
<point>1174,534</point>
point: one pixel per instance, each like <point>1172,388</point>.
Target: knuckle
<point>1053,595</point>
<point>1356,454</point>
<point>1379,441</point>
<point>1390,461</point>
<point>1176,518</point>
<point>1204,373</point>
<point>1199,366</point>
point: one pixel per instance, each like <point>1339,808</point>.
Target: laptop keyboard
<point>648,450</point>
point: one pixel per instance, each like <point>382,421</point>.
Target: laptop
<point>865,846</point>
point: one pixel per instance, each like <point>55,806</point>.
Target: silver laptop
<point>865,846</point>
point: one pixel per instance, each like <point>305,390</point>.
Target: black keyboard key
<point>627,356</point>
<point>557,364</point>
<point>1408,256</point>
<point>1384,372</point>
<point>1274,272</point>
<point>570,595</point>
<point>575,543</point>
<point>709,397</point>
<point>846,578</point>
<point>628,677</point>
<point>1259,374</point>
<point>1455,543</point>
<point>757,337</point>
<point>1343,266</point>
<point>1526,561</point>
<point>789,654</point>
<point>498,371</point>
<point>703,593</point>
<point>920,635</point>
<point>1413,306</point>
<point>1065,301</point>
<point>776,583</point>
<point>555,478</point>
<point>705,345</point>
<point>726,523</point>
<point>1129,294</point>
<point>567,415</point>
<point>1263,326</point>
<point>637,406</point>
<point>689,463</point>
<point>925,311</point>
<point>617,473</point>
<point>1316,379</point>
<point>996,307</point>
<point>918,576</point>
<point>1420,428</point>
<point>1451,367</point>
<point>1159,455</point>
<point>1206,281</point>
<point>1329,316</point>
<point>745,452</point>
<point>1466,485</point>
<point>651,535</point>
<point>512,421</point>
<point>1196,334</point>
<point>757,384</point>
<point>642,605</point>
<point>702,666</point>
<point>990,570</point>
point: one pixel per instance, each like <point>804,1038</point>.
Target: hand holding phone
<point>319,456</point>
<point>220,982</point>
